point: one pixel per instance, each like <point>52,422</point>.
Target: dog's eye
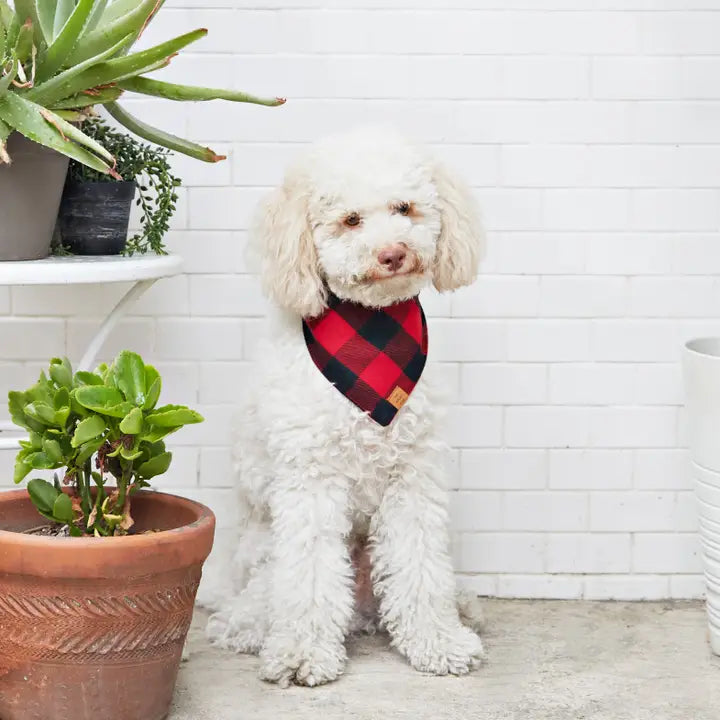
<point>352,220</point>
<point>403,208</point>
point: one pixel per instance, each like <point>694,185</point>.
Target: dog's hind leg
<point>242,625</point>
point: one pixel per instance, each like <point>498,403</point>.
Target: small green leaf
<point>88,450</point>
<point>129,454</point>
<point>88,429</point>
<point>22,468</point>
<point>132,423</point>
<point>53,450</point>
<point>118,411</point>
<point>75,531</point>
<point>98,398</point>
<point>61,399</point>
<point>153,385</point>
<point>41,412</point>
<point>173,416</point>
<point>155,466</point>
<point>43,494</point>
<point>42,461</point>
<point>62,509</point>
<point>152,433</point>
<point>83,377</point>
<point>76,407</point>
<point>61,372</point>
<point>60,417</point>
<point>36,441</point>
<point>130,374</point>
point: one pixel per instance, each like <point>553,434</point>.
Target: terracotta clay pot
<point>92,628</point>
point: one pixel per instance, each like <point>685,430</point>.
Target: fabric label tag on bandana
<point>398,397</point>
<point>374,357</point>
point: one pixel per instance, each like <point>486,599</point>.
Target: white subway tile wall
<point>590,131</point>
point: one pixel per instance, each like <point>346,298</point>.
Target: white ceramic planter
<point>701,371</point>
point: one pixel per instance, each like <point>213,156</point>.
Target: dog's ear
<point>282,235</point>
<point>461,243</point>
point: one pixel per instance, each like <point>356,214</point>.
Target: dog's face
<point>370,218</point>
<point>374,219</point>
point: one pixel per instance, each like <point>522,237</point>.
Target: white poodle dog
<point>344,520</point>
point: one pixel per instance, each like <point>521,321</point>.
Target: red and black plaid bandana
<point>373,357</point>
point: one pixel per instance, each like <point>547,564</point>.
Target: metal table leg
<point>88,359</point>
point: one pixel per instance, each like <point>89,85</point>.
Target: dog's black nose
<point>392,257</point>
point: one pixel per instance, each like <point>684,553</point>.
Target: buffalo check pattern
<point>374,357</point>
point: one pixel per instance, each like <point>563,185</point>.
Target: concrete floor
<point>547,660</point>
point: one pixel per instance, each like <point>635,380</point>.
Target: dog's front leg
<point>414,579</point>
<point>311,596</point>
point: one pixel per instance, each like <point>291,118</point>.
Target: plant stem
<point>85,498</point>
<point>124,480</point>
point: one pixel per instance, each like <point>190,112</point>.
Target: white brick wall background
<point>590,130</point>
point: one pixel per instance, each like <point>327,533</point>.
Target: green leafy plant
<point>109,416</point>
<point>149,168</point>
<point>59,57</point>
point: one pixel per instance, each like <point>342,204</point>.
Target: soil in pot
<point>94,216</point>
<point>30,190</point>
<point>94,627</point>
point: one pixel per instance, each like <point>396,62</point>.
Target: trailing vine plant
<point>149,167</point>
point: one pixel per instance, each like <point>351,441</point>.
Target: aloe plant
<point>60,58</point>
<point>110,415</point>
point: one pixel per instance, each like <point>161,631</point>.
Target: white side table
<point>143,271</point>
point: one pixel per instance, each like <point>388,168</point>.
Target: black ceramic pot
<point>94,216</point>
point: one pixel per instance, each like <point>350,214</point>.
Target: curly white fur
<point>314,472</point>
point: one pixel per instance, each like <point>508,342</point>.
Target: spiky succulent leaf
<point>64,40</point>
<point>27,118</point>
<point>118,8</point>
<point>73,133</point>
<point>64,84</point>
<point>96,14</point>
<point>63,11</point>
<point>172,91</point>
<point>26,10</point>
<point>160,137</point>
<point>7,79</point>
<point>88,98</point>
<point>7,14</point>
<point>10,22</point>
<point>45,12</point>
<point>112,71</point>
<point>109,33</point>
<point>24,42</point>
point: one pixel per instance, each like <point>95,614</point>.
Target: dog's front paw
<point>441,654</point>
<point>284,664</point>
